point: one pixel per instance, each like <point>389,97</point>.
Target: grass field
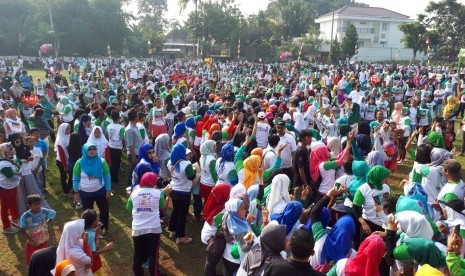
<point>174,260</point>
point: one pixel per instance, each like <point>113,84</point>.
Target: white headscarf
<point>100,143</point>
<point>71,247</point>
<point>237,190</point>
<point>414,225</point>
<point>62,138</point>
<point>279,190</point>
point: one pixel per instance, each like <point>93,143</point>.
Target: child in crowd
<point>9,181</point>
<point>33,224</point>
<point>92,228</point>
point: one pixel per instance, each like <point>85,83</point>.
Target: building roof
<point>365,11</point>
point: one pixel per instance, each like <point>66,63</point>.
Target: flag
<point>239,48</point>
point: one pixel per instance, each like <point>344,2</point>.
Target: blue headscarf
<point>325,217</point>
<point>236,225</point>
<point>178,153</point>
<point>92,166</point>
<point>82,129</point>
<point>227,154</point>
<point>179,130</point>
<point>339,240</point>
<point>139,171</point>
<point>290,215</point>
<point>254,210</point>
<point>190,123</point>
<point>143,155</point>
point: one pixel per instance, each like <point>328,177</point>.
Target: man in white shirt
<point>356,95</point>
<point>263,131</point>
<point>289,151</point>
<point>271,152</point>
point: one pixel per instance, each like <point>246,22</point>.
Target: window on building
<point>361,44</point>
<point>383,43</point>
<point>383,36</point>
<point>362,23</point>
<point>348,23</point>
<point>384,27</point>
<point>376,39</point>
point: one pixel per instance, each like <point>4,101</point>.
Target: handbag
<point>216,244</point>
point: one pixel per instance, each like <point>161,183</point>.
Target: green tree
<point>336,51</point>
<point>349,42</point>
<point>446,18</point>
<point>414,36</point>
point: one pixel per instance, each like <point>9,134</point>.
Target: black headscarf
<point>42,261</point>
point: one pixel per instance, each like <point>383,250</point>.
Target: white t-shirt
<point>286,154</point>
<point>263,131</point>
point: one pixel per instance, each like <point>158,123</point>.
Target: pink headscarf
<point>368,257</point>
<point>317,156</point>
<point>397,113</point>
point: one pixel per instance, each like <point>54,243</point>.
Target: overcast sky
<point>407,7</point>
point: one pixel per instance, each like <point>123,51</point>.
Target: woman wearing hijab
<point>208,173</point>
<point>42,261</point>
<point>364,200</point>
<point>84,128</point>
<point>97,138</point>
<point>145,205</point>
<point>91,183</point>
<point>179,135</point>
<point>322,167</point>
<point>182,174</point>
<point>272,242</point>
<point>74,247</point>
<point>147,156</point>
<point>397,112</point>
<point>235,227</point>
<point>375,158</point>
<point>162,152</point>
<point>334,146</point>
<point>213,212</point>
<point>451,109</point>
<point>367,259</point>
<point>10,179</point>
<point>289,217</point>
<point>138,173</point>
<point>363,144</point>
<point>28,184</point>
<point>61,149</point>
<point>279,194</point>
<point>225,167</point>
<point>391,151</point>
<point>436,139</point>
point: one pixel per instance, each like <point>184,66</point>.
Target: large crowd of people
<point>288,166</point>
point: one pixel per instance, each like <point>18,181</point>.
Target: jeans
<point>99,197</point>
<point>181,202</point>
<point>146,247</point>
<point>66,182</point>
<point>115,156</point>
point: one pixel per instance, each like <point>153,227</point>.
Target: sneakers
<point>172,234</point>
<point>103,234</point>
<point>146,264</point>
<point>78,205</point>
<point>183,240</point>
<point>10,230</point>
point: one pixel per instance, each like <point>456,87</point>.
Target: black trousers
<point>178,218</point>
<point>146,247</point>
<point>115,156</point>
<point>229,268</point>
<point>130,170</point>
<point>88,199</point>
<point>66,182</point>
<point>52,133</point>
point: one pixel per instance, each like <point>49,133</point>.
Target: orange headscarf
<point>212,129</point>
<point>257,151</point>
<point>251,166</point>
<point>64,266</point>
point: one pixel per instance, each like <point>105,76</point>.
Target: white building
<point>379,37</point>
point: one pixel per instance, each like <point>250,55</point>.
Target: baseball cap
<point>281,123</point>
<point>261,115</point>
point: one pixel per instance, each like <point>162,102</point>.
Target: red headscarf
<point>368,257</point>
<point>215,202</point>
<point>317,156</point>
<point>149,179</point>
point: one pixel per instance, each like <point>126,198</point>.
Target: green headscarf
<point>436,139</point>
<point>360,170</point>
<point>377,175</point>
<point>425,252</point>
<point>315,134</point>
<point>344,129</point>
<point>353,116</point>
<point>407,204</point>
